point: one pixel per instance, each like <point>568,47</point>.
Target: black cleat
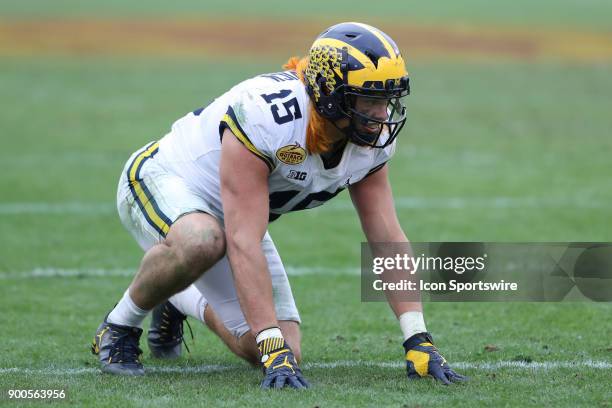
<point>166,332</point>
<point>117,348</point>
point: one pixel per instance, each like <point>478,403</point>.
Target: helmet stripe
<point>393,52</point>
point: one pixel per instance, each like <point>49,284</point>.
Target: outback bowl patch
<point>291,154</point>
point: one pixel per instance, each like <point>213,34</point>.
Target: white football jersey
<point>269,115</point>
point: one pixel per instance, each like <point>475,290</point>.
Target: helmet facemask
<point>388,128</point>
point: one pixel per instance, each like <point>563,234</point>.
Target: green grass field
<point>497,151</point>
<point>587,14</point>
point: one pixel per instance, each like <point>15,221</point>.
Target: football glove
<point>423,359</point>
<point>279,365</point>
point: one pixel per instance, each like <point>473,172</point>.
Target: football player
<point>199,202</point>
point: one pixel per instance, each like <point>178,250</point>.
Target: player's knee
<point>199,243</point>
<point>291,332</point>
<point>250,352</point>
<point>202,252</point>
<point>206,247</point>
<point>247,349</point>
<point>252,357</point>
<point>297,352</point>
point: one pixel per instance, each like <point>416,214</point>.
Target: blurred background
<point>508,139</point>
<point>508,135</point>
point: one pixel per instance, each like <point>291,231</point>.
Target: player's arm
<point>244,193</point>
<point>373,200</point>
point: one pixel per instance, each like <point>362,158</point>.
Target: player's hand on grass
<point>279,365</point>
<point>423,359</point>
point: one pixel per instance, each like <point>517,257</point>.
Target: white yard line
<point>496,365</point>
<point>417,203</point>
<point>205,369</point>
<point>67,208</point>
<point>67,273</point>
<point>38,273</point>
<point>321,270</point>
<point>459,203</point>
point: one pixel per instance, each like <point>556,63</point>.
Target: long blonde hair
<point>320,131</point>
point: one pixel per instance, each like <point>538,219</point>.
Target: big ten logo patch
<point>297,175</point>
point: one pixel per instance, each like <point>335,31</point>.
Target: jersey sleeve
<point>246,119</point>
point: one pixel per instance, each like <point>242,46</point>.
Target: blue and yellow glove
<point>423,359</point>
<point>279,365</point>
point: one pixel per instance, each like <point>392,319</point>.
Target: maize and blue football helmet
<point>351,60</point>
